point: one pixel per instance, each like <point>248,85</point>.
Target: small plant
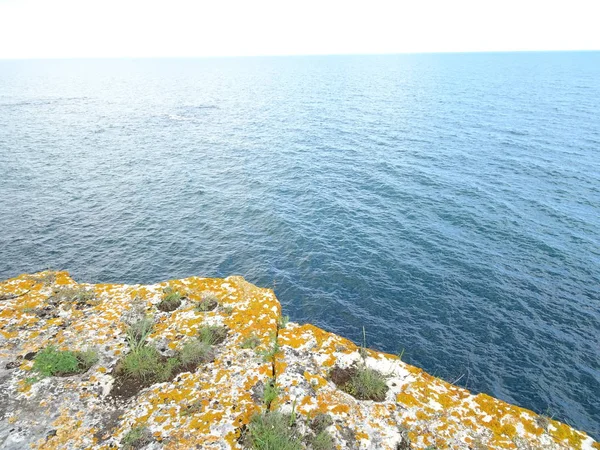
<point>270,393</point>
<point>136,438</point>
<point>142,363</point>
<point>282,321</point>
<point>367,384</point>
<point>400,355</point>
<point>47,278</point>
<point>171,300</point>
<point>147,364</point>
<point>138,332</point>
<point>227,309</point>
<point>53,362</point>
<point>32,380</point>
<point>74,294</point>
<point>250,342</point>
<point>361,382</point>
<point>322,441</point>
<point>195,352</point>
<point>270,431</point>
<point>212,335</point>
<point>208,302</point>
<point>363,348</point>
<point>270,354</point>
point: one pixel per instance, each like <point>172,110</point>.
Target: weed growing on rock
<point>208,302</point>
<point>282,321</point>
<point>136,438</point>
<point>143,363</point>
<point>250,342</point>
<point>322,441</point>
<point>404,443</point>
<point>192,408</point>
<point>270,393</point>
<point>195,352</point>
<point>138,332</point>
<point>171,300</point>
<point>360,382</point>
<point>271,430</point>
<point>53,362</point>
<point>78,295</point>
<point>212,335</point>
<point>270,353</point>
<point>46,278</point>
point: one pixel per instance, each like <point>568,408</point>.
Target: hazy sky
<point>105,28</point>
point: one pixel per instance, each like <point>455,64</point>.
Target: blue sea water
<point>450,204</point>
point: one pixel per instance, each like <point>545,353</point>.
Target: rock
<point>209,405</point>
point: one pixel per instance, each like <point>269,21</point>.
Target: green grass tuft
<point>367,384</point>
<point>138,332</point>
<point>171,300</point>
<point>52,362</point>
<point>195,352</point>
<point>208,301</point>
<point>136,438</point>
<point>271,431</point>
<point>212,335</point>
<point>322,441</point>
<point>142,363</point>
<point>74,294</point>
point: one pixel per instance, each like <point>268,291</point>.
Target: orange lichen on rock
<point>210,406</point>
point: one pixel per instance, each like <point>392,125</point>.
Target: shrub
<point>272,430</point>
<point>53,362</point>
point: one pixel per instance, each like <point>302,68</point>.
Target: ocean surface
<point>450,204</point>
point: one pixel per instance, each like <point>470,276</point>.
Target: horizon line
<point>56,58</point>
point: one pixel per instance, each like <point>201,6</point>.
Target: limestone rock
<point>211,406</point>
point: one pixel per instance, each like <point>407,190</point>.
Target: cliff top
<point>212,364</point>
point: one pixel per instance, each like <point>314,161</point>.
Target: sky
<point>187,28</point>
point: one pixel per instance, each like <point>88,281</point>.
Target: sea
<point>449,204</point>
